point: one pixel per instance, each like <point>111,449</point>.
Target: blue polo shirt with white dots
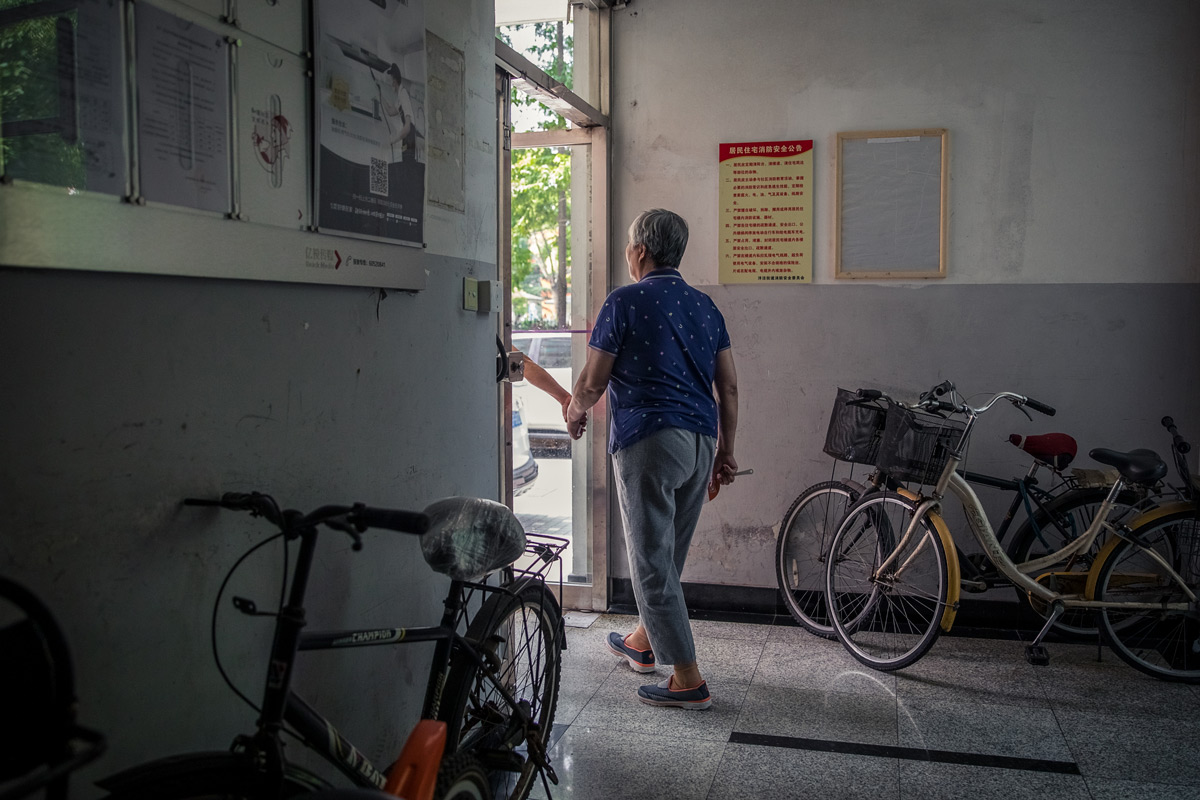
<point>665,336</point>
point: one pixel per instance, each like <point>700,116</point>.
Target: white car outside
<point>543,414</point>
<point>525,468</point>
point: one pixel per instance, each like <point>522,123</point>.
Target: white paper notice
<point>183,111</point>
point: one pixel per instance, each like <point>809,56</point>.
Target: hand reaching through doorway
<point>543,380</point>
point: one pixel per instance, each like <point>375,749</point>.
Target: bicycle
<point>1074,512</point>
<point>891,567</point>
<point>491,693</point>
<point>855,430</point>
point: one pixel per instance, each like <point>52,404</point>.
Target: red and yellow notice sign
<point>766,212</point>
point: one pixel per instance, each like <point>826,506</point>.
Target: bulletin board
<point>891,204</point>
<point>176,137</point>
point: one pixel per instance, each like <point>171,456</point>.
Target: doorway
<point>554,262</point>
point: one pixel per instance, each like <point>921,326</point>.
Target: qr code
<point>379,177</point>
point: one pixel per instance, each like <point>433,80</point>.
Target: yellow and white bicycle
<point>893,581</point>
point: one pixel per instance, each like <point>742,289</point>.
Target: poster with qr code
<point>370,97</point>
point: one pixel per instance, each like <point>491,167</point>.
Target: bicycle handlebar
<point>930,401</point>
<point>1049,411</point>
<point>358,516</point>
<point>392,519</point>
<point>1181,446</point>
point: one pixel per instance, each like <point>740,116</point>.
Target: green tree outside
<point>541,182</point>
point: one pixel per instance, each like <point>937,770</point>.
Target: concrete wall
<point>122,394</point>
<point>1074,254</point>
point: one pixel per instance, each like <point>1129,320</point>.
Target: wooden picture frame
<point>890,209</point>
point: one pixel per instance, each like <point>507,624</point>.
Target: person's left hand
<point>576,427</point>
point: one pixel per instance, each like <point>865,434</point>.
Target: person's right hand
<point>724,467</point>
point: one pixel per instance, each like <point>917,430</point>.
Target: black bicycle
<point>493,683</point>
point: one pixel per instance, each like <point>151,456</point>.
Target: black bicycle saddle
<point>1136,466</point>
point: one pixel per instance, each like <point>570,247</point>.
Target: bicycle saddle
<point>469,537</point>
<point>1136,466</point>
<point>1055,449</point>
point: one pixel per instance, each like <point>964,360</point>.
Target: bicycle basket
<point>854,430</point>
<point>916,445</point>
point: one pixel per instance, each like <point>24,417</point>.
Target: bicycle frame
<point>950,480</point>
<point>281,704</point>
<point>982,529</point>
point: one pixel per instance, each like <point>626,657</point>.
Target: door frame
<point>591,129</point>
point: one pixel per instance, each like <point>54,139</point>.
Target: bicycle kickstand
<point>1036,653</point>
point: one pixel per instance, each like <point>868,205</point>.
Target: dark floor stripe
<point>910,753</point>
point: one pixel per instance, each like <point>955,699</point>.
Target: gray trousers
<point>662,482</point>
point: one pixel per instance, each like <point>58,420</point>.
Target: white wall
<point>123,394</point>
<point>1073,123</point>
<point>1074,261</point>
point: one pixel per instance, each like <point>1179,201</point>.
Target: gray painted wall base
<point>1113,359</point>
<point>123,394</point>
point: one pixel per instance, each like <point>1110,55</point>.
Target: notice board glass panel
<point>62,102</point>
<point>370,140</point>
<point>183,94</point>
<point>891,204</point>
<point>273,163</point>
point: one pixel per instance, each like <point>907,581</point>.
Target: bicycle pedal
<point>1037,655</point>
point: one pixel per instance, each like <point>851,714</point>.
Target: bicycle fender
<point>953,572</point>
<point>1145,518</point>
<point>140,779</point>
<point>414,775</point>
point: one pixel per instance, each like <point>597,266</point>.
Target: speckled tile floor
<point>795,716</point>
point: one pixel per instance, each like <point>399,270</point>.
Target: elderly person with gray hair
<point>660,349</point>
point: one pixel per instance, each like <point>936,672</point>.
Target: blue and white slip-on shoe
<point>661,694</point>
<point>639,660</point>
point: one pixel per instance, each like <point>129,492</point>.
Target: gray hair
<point>664,233</point>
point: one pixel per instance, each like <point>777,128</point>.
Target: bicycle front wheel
<point>887,618</point>
<point>518,631</point>
<point>461,777</point>
<point>1064,520</point>
<point>1161,642</point>
<point>800,556</point>
<point>199,776</point>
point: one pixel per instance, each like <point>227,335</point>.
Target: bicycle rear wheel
<point>1159,642</point>
<point>800,556</point>
<point>889,619</point>
<point>518,631</point>
<point>1063,520</point>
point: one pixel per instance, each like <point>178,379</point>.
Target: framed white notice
<point>890,210</point>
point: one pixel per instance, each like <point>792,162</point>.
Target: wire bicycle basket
<point>916,444</point>
<point>855,429</point>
